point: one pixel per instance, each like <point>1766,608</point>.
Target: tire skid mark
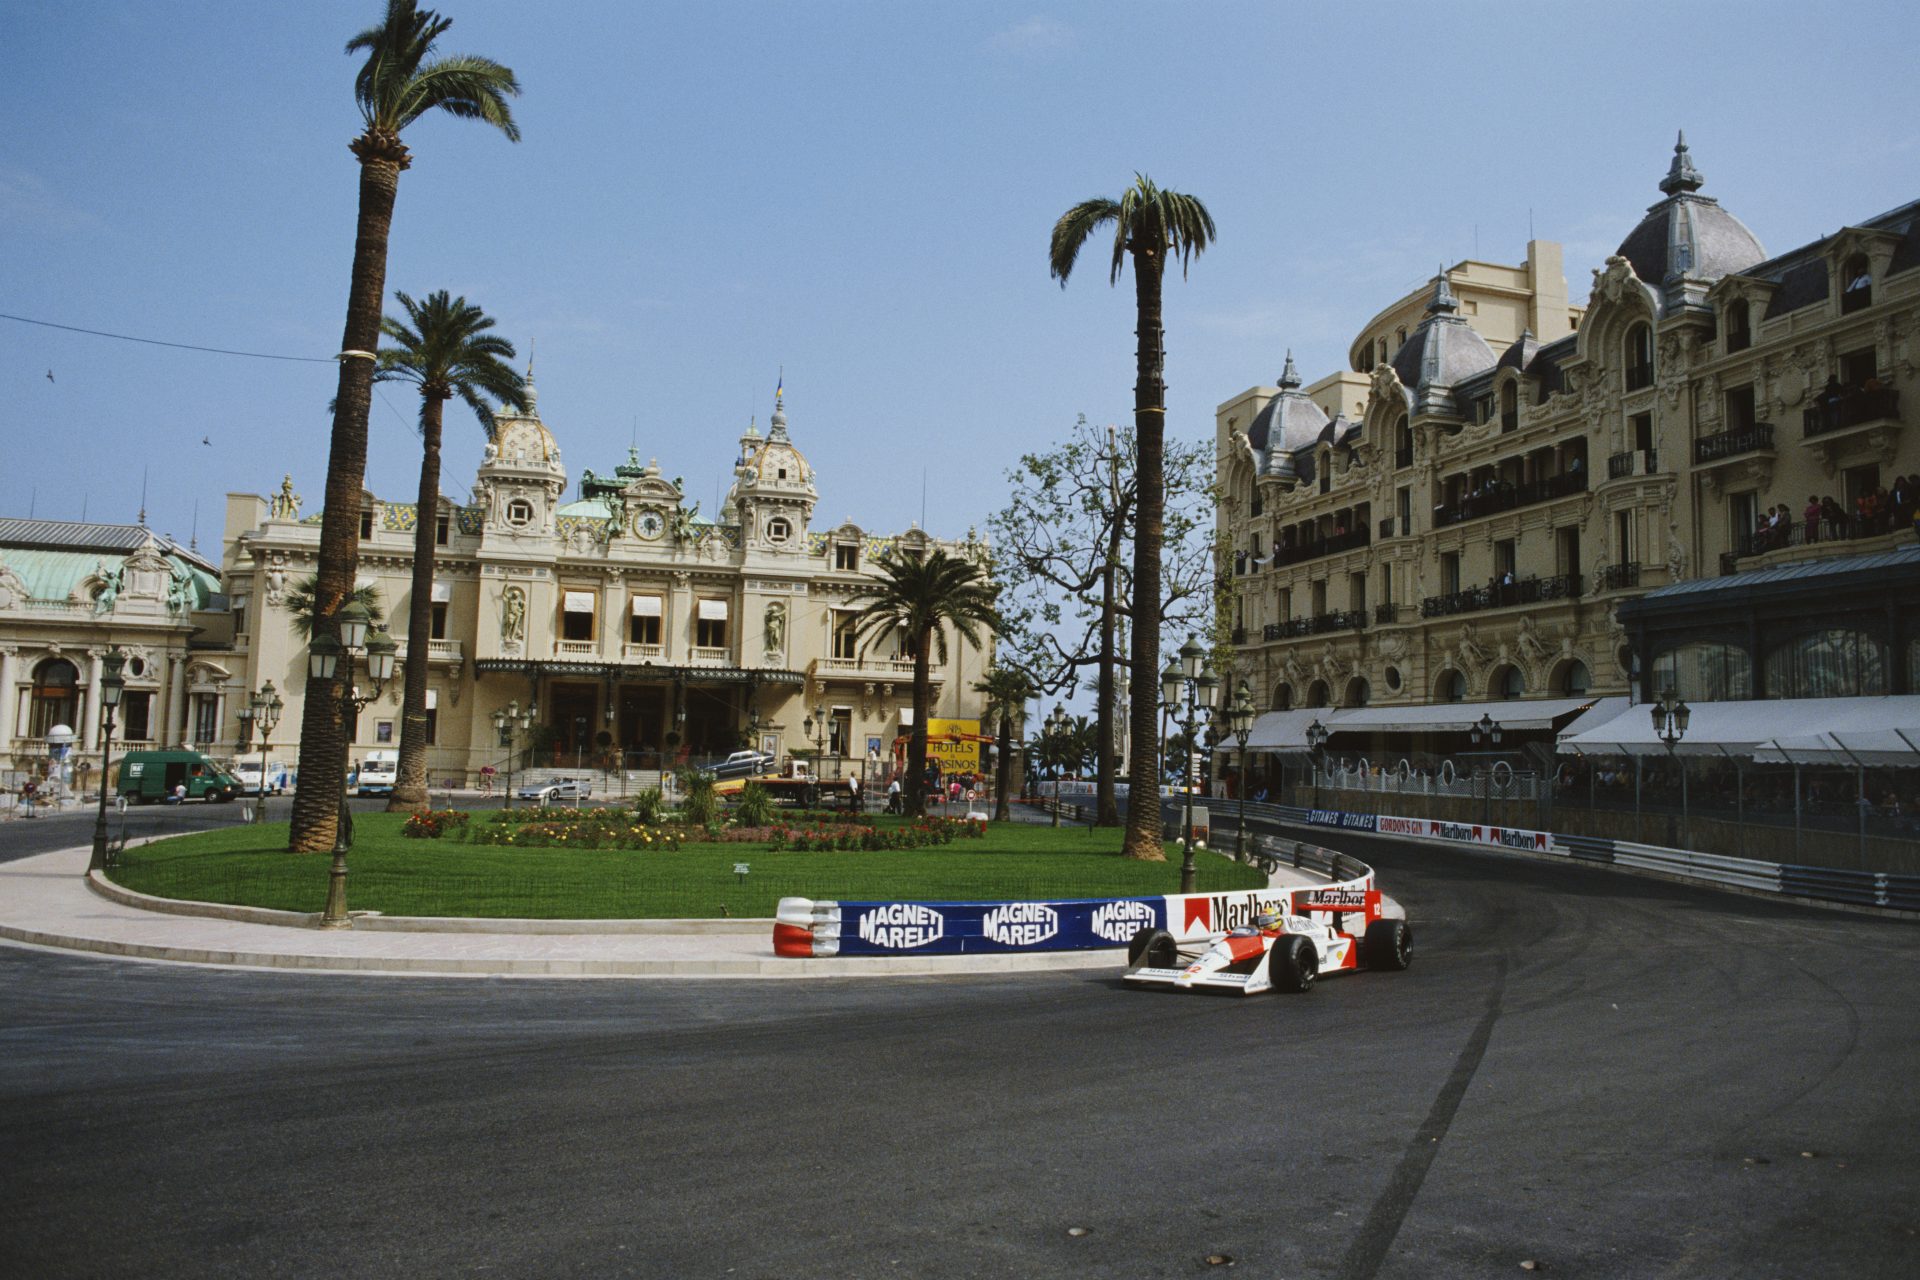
<point>1369,1248</point>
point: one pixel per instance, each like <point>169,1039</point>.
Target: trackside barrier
<point>1827,884</point>
<point>804,927</point>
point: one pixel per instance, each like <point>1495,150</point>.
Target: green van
<point>150,776</point>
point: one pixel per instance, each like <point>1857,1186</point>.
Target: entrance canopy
<point>1824,731</point>
<point>1283,730</point>
<point>1287,730</point>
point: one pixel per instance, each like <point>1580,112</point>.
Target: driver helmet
<point>1269,917</point>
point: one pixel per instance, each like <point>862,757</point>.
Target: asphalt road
<point>1607,1076</point>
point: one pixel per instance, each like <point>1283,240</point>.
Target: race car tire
<point>1153,949</point>
<point>1388,945</point>
<point>1293,965</point>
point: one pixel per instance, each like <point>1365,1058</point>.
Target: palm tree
<point>922,595</point>
<point>299,604</point>
<point>1149,224</point>
<point>446,353</point>
<point>1008,691</point>
<point>398,83</point>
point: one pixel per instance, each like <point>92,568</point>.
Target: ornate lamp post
<point>1317,735</point>
<point>325,654</point>
<point>1487,730</point>
<point>506,720</point>
<point>1188,683</point>
<point>111,687</point>
<point>1240,728</point>
<point>264,711</point>
<point>1670,718</point>
<point>1058,725</point>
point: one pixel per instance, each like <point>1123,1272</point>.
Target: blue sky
<point>859,193</point>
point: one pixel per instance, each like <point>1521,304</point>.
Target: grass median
<point>389,873</point>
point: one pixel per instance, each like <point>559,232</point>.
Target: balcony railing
<point>1732,444</point>
<point>1634,462</point>
<point>1797,533</point>
<point>1500,595</point>
<point>1616,577</point>
<point>1327,546</point>
<point>576,648</point>
<point>1339,620</point>
<point>871,667</point>
<point>1851,409</point>
<point>644,652</point>
<point>1506,497</point>
<point>437,651</point>
<point>1386,614</point>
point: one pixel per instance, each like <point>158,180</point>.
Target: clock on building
<point>649,524</point>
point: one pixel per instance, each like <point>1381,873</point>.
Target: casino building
<point>1512,507</point>
<point>641,631</point>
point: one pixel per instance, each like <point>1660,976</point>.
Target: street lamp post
<point>1317,735</point>
<point>265,713</point>
<point>505,721</point>
<point>111,687</point>
<point>325,653</point>
<point>1489,731</point>
<point>1189,683</point>
<point>1240,728</point>
<point>1057,726</point>
<point>1670,718</point>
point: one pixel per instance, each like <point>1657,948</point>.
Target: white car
<point>549,790</point>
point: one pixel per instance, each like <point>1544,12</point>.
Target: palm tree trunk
<point>1003,779</point>
<point>1106,806</point>
<point>323,730</point>
<point>1143,836</point>
<point>410,777</point>
<point>915,787</point>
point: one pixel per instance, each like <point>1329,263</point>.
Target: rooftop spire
<point>1289,376</point>
<point>533,396</point>
<point>1442,294</point>
<point>777,425</point>
<point>1681,175</point>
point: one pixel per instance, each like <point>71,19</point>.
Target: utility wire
<point>156,342</point>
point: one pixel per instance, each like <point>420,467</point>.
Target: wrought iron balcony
<point>1634,462</point>
<point>1852,409</point>
<point>1386,614</point>
<point>1339,620</point>
<point>1616,577</point>
<point>1330,545</point>
<point>1506,497</point>
<point>1733,444</point>
<point>1500,595</point>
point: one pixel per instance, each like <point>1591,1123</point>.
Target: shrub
<point>433,824</point>
<point>647,806</point>
<point>699,806</point>
<point>755,808</point>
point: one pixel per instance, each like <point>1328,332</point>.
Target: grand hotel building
<point>1510,504</point>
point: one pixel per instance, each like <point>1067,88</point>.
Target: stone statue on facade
<point>513,615</point>
<point>776,629</point>
<point>286,504</point>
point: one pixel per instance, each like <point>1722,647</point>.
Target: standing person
<point>893,794</point>
<point>1811,514</point>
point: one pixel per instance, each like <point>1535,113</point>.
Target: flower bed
<point>846,839</point>
<point>433,824</point>
<point>577,835</point>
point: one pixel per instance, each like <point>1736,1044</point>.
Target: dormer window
<point>366,522</point>
<point>846,556</point>
<point>442,529</point>
<point>1856,288</point>
<point>1639,357</point>
<point>1739,325</point>
<point>782,473</point>
<point>1509,408</point>
<point>778,530</point>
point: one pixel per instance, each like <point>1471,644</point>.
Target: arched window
<point>1451,688</point>
<point>1318,695</point>
<point>1507,683</point>
<point>1399,338</point>
<point>1283,697</point>
<point>1704,671</point>
<point>1835,663</point>
<point>1856,284</point>
<point>1509,407</point>
<point>1403,442</point>
<point>1573,679</point>
<point>1639,357</point>
<point>1359,692</point>
<point>56,697</point>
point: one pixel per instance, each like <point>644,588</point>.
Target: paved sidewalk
<point>46,901</point>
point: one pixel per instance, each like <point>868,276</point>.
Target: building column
<point>90,712</point>
<point>176,703</point>
<point>9,699</point>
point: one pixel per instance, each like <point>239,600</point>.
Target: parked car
<point>550,790</point>
<point>742,764</point>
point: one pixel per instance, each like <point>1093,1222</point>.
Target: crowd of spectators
<point>1823,519</point>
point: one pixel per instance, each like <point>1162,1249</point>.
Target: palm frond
<point>465,86</point>
<point>1075,227</point>
<point>447,351</point>
<point>396,85</point>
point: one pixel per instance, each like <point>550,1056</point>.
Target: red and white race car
<point>1278,951</point>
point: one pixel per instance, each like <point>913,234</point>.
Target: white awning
<point>646,606</point>
<point>906,717</point>
<point>1456,717</point>
<point>442,592</point>
<point>1824,731</point>
<point>578,602</point>
<point>1284,730</point>
<point>433,699</point>
<point>1600,713</point>
<point>713,611</point>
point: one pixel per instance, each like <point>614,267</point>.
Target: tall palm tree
<point>446,353</point>
<point>922,595</point>
<point>300,606</point>
<point>399,82</point>
<point>1149,225</point>
<point>1008,690</point>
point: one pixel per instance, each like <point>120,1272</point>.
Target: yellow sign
<point>955,744</point>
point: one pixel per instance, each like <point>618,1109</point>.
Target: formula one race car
<point>1278,951</point>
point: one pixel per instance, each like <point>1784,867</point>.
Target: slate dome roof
<point>1688,234</point>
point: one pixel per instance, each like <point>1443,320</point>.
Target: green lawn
<point>447,877</point>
